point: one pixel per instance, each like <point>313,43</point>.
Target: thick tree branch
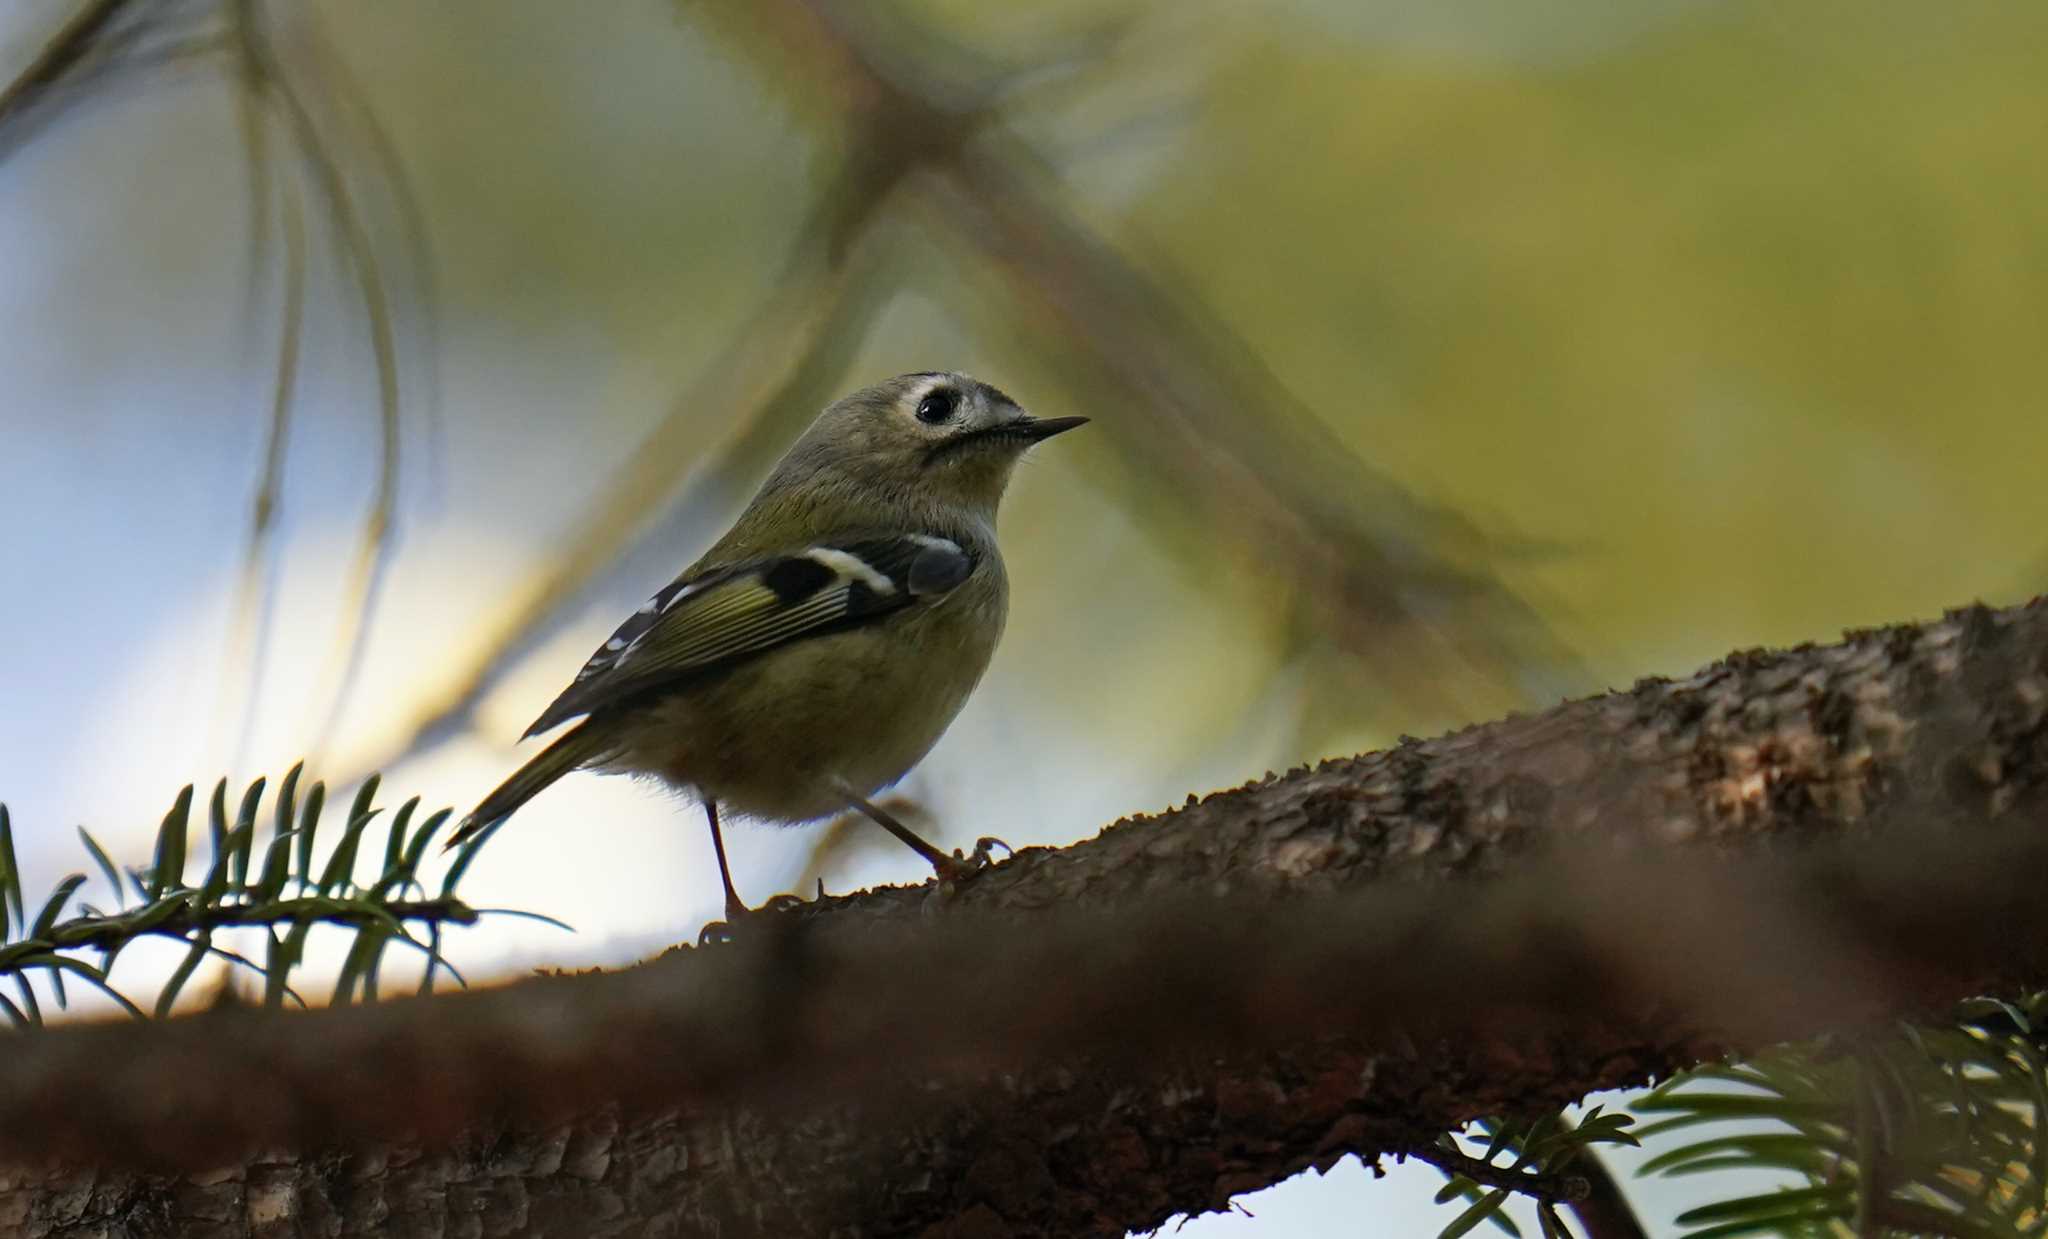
<point>1345,959</point>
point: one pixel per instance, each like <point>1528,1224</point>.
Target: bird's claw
<point>958,867</point>
<point>737,916</point>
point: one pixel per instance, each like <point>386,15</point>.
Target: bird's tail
<point>572,750</point>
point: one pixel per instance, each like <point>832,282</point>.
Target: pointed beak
<point>1014,435</point>
<point>1037,428</point>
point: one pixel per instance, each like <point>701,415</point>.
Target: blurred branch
<point>769,376</point>
<point>255,591</point>
<point>764,381</point>
<point>68,48</point>
<point>347,157</point>
<point>1604,1212</point>
<point>838,838</point>
<point>105,43</point>
<point>1215,435</point>
<point>1347,959</point>
<point>263,75</point>
<point>1201,420</point>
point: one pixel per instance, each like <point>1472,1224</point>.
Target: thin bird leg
<point>947,867</point>
<point>734,908</point>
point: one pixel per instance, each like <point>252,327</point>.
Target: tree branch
<point>100,932</point>
<point>1568,1186</point>
<point>1347,959</point>
<point>1605,1213</point>
<point>72,42</point>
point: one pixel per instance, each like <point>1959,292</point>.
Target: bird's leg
<point>949,868</point>
<point>984,851</point>
<point>735,908</point>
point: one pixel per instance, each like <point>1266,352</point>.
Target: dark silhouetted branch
<point>1605,1212</point>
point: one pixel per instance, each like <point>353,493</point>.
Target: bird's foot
<point>957,868</point>
<point>739,918</point>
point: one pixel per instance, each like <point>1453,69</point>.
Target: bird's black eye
<point>937,406</point>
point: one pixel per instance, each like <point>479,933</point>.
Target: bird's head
<point>934,436</point>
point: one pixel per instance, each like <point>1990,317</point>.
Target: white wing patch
<point>742,609</point>
<point>848,565</point>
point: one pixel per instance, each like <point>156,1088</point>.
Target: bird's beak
<point>1035,428</point>
<point>1013,436</point>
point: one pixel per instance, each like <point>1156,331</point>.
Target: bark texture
<point>1349,958</point>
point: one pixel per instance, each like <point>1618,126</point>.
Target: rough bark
<point>1349,958</point>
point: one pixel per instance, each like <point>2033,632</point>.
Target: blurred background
<point>361,365</point>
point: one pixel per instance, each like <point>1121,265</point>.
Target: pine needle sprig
<point>286,888</point>
<point>1912,1130</point>
<point>1534,1158</point>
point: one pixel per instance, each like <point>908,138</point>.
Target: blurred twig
<point>848,833</point>
<point>105,44</point>
<point>765,381</point>
<point>66,50</point>
<point>1604,1212</point>
<point>266,76</point>
<point>775,370</point>
<point>119,35</point>
<point>411,219</point>
<point>255,593</point>
<point>1199,419</point>
<point>1202,422</point>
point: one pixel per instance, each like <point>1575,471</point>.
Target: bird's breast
<point>776,736</point>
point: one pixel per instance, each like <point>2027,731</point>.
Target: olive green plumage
<point>820,648</point>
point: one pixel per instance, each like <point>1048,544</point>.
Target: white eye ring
<point>937,406</point>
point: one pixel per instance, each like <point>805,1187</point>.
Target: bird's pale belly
<point>787,734</point>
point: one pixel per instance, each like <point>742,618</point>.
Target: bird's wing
<point>733,612</point>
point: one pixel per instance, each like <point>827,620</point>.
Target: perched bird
<point>818,650</point>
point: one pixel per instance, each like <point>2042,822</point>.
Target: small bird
<point>818,650</point>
